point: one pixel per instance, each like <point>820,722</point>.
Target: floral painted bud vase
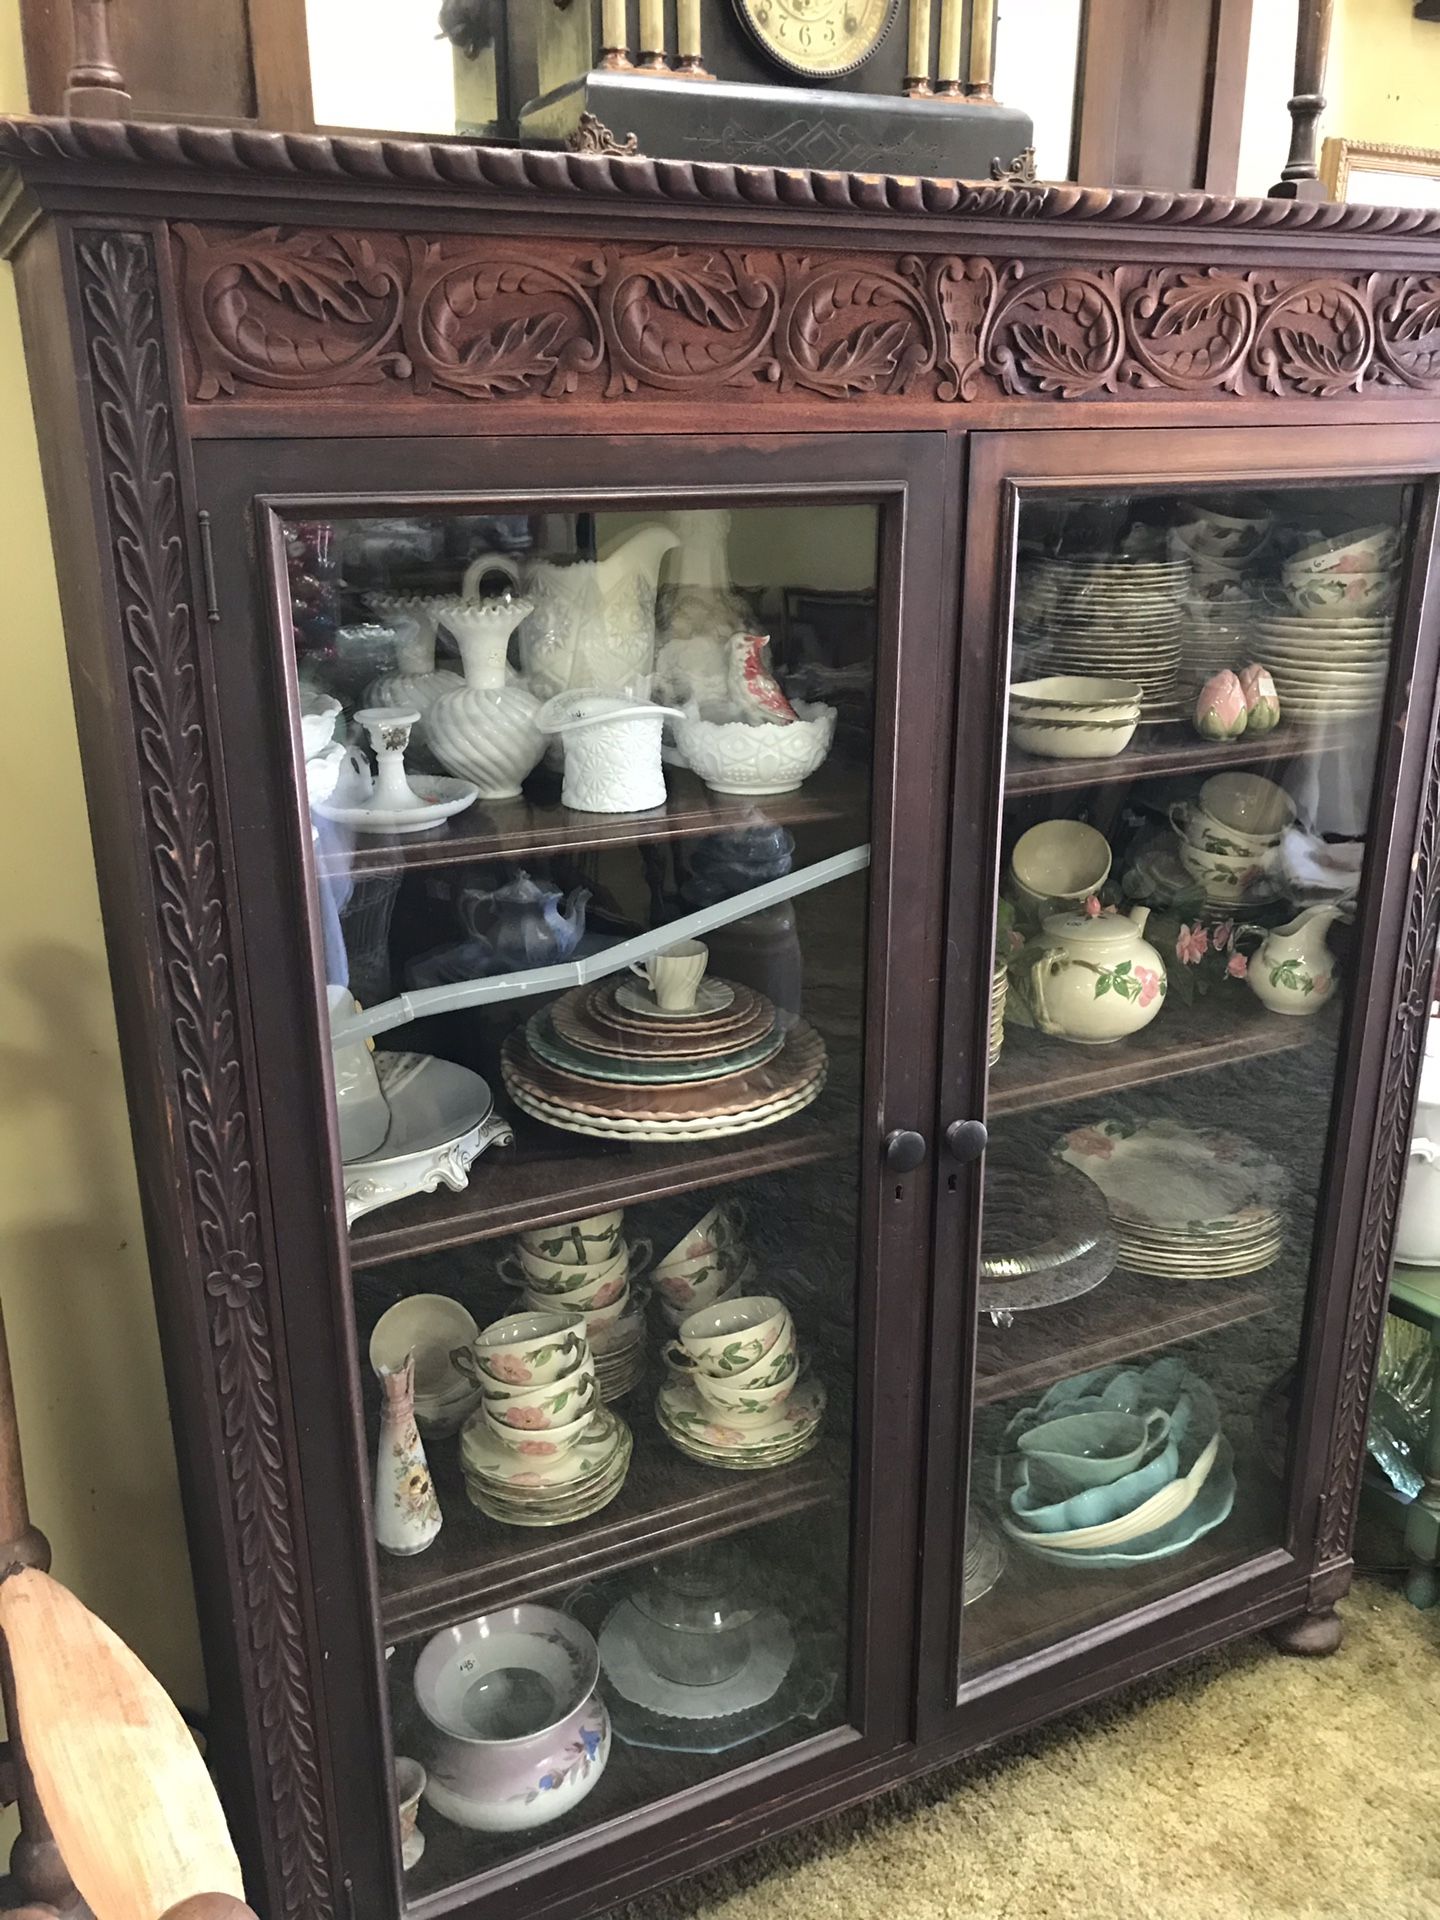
<point>407,1514</point>
<point>1220,711</point>
<point>1262,702</point>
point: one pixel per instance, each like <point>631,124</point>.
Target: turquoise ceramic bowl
<point>1095,1505</point>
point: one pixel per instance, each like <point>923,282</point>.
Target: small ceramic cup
<point>676,1316</point>
<point>546,1443</point>
<point>576,1243</point>
<point>1061,861</point>
<point>543,1409</point>
<point>524,1349</point>
<point>1092,1449</point>
<point>763,1403</point>
<point>681,1296</point>
<point>596,1318</point>
<point>725,1339</point>
<point>577,1287</point>
<point>715,1239</point>
<point>409,1785</point>
<point>1248,805</point>
<point>674,974</point>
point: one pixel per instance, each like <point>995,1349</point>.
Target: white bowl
<point>1056,738</point>
<point>1077,694</point>
<point>732,756</point>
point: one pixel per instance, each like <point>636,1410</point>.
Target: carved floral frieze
<point>314,312</point>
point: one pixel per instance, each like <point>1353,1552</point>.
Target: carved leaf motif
<point>213,1155</point>
<point>704,291</point>
<point>513,357</point>
<point>313,273</point>
<point>1308,363</point>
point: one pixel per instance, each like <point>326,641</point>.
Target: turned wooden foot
<point>1311,1634</point>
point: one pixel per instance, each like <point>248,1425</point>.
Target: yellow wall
<point>98,1453</point>
<point>1385,75</point>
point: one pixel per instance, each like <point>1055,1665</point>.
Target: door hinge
<point>207,567</point>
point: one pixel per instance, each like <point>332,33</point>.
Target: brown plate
<point>586,1017</point>
<point>801,1060</point>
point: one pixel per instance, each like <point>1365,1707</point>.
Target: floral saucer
<point>700,1430</point>
<point>537,1465</point>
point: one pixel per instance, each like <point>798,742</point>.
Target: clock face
<point>819,38</point>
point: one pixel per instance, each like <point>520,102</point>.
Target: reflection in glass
<point>590,799</point>
<point>1194,712</point>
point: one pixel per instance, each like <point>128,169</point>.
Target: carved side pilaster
<point>211,1144</point>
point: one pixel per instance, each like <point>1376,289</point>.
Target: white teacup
<point>727,1339</point>
<point>525,1349</point>
<point>674,974</point>
<point>547,1408</point>
<point>682,1295</point>
<point>578,1287</point>
<point>713,1240</point>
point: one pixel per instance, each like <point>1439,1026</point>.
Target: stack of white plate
<point>1324,669</point>
<point>1187,1203</point>
<point>1108,617</point>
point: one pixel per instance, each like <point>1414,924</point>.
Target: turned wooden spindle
<point>917,58</point>
<point>95,88</point>
<point>980,60</point>
<point>1300,177</point>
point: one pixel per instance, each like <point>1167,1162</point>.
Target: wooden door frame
<point>1373,1092</point>
<point>272,902</point>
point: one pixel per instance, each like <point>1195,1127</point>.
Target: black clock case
<point>797,126</point>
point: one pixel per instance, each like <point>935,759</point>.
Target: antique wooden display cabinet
<point>310,410</point>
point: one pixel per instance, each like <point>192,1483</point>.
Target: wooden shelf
<point>1219,1030</point>
<point>549,1175</point>
<point>667,1501</point>
<point>1037,1603</point>
<point>1169,750</point>
<point>493,829</point>
<point>1124,1316</point>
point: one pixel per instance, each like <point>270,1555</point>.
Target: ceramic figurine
<point>1093,979</point>
<point>407,1514</point>
<point>1220,711</point>
<point>1293,970</point>
<point>592,622</point>
<point>524,923</point>
<point>612,751</point>
<point>755,693</point>
<point>416,682</point>
<point>486,729</point>
<point>1262,702</point>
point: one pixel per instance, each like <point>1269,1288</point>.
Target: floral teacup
<point>546,1443</point>
<point>580,1288</point>
<point>545,1409</point>
<point>713,1240</point>
<point>763,1403</point>
<point>524,1349</point>
<point>727,1339</point>
<point>576,1243</point>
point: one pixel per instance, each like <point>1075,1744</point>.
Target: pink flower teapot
<point>1092,980</point>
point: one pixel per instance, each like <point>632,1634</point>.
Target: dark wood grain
<point>512,829</point>
<point>478,1564</point>
<point>549,1175</point>
<point>1157,751</point>
<point>1124,1316</point>
<point>1220,1030</point>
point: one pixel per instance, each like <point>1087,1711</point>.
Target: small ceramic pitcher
<point>1292,970</point>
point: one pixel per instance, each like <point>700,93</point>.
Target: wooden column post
<point>917,56</point>
<point>1300,177</point>
<point>614,37</point>
<point>980,63</point>
<point>95,87</point>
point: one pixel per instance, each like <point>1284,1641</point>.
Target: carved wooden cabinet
<point>308,406</point>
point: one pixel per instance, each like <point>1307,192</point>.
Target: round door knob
<point>966,1140</point>
<point>904,1150</point>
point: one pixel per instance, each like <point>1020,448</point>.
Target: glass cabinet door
<point>596,794</point>
<point>1192,816</point>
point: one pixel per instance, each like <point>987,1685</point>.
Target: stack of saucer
<point>1107,616</point>
<point>706,1266</point>
<point>585,1266</point>
<point>735,1397</point>
<point>540,1449</point>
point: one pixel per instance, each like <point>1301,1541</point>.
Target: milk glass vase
<point>416,682</point>
<point>485,731</point>
<point>407,1513</point>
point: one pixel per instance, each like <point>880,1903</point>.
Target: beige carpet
<point>1246,1786</point>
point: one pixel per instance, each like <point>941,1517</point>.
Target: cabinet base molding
<point>1311,1635</point>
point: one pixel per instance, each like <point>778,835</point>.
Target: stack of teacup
<point>1230,837</point>
<point>734,1396</point>
<point>540,1449</point>
<point>707,1265</point>
<point>586,1266</point>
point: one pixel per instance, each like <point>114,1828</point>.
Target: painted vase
<point>407,1513</point>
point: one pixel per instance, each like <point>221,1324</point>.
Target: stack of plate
<point>999,988</point>
<point>1324,669</point>
<point>606,1060</point>
<point>1108,617</point>
<point>1187,1203</point>
<point>619,1348</point>
<point>539,1491</point>
<point>700,1430</point>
